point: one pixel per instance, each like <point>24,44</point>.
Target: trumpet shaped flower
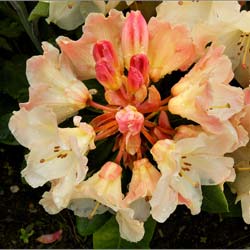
<point>56,154</point>
<point>54,84</point>
<point>204,94</point>
<point>185,165</point>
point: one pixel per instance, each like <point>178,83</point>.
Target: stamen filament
<point>245,53</point>
<point>101,107</point>
<point>165,101</point>
<point>148,136</point>
<point>151,115</point>
<point>121,150</point>
<point>149,124</point>
<point>106,126</point>
<point>91,215</point>
<point>107,133</point>
<point>243,169</point>
<point>194,184</point>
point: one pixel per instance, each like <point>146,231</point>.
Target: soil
<point>20,209</point>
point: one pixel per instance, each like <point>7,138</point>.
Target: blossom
<point>54,84</point>
<point>204,94</point>
<point>185,165</point>
<point>56,154</point>
<point>218,22</point>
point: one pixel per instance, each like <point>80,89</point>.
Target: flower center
<point>135,113</point>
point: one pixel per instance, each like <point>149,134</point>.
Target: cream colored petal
<point>35,127</point>
<point>164,200</point>
<point>65,14</point>
<point>212,170</point>
<point>192,13</point>
<point>48,203</point>
<point>130,229</point>
<point>245,207</point>
<point>187,184</point>
<point>45,165</point>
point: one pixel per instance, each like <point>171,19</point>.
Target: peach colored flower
<point>54,84</point>
<point>204,94</point>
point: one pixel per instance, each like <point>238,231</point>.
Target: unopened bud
<point>134,36</point>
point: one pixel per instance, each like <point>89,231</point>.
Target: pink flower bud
<point>135,80</point>
<point>107,75</point>
<point>105,49</point>
<point>141,63</point>
<point>129,120</point>
<point>134,36</point>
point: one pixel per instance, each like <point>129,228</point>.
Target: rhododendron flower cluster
<point>130,59</point>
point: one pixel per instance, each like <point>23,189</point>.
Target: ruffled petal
<point>97,27</point>
<point>130,229</point>
<point>175,46</point>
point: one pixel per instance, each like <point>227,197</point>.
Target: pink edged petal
<point>37,126</point>
<point>143,182</point>
<point>104,186</point>
<point>53,83</point>
<point>170,48</point>
<point>97,27</point>
<point>164,200</point>
<point>212,170</point>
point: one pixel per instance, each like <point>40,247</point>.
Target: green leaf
<point>108,236</point>
<point>86,226</point>
<point>4,44</point>
<point>214,200</point>
<point>40,10</point>
<point>10,28</point>
<point>5,135</point>
<point>234,209</point>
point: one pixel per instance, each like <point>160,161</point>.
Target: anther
<point>42,160</point>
